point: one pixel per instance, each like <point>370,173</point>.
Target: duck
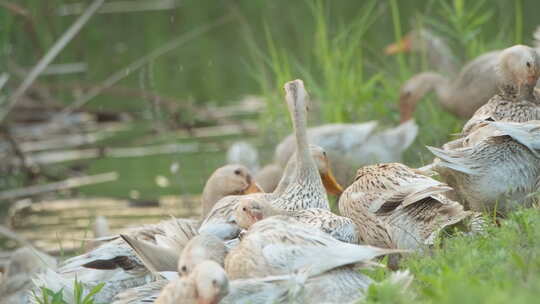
<point>291,288</point>
<point>270,289</point>
<point>395,206</point>
<point>459,93</point>
<point>306,189</point>
<point>301,186</point>
<point>207,284</point>
<point>221,222</point>
<point>518,70</point>
<point>200,248</point>
<point>232,179</point>
<point>350,145</point>
<point>117,261</point>
<point>496,172</point>
<point>251,210</point>
<point>281,245</point>
<point>24,263</point>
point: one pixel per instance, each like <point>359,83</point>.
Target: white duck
<point>335,286</point>
<point>280,245</point>
<point>199,249</point>
<point>117,264</point>
<point>353,145</point>
<point>252,210</point>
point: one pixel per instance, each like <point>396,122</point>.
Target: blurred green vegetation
<point>335,46</point>
<point>218,66</point>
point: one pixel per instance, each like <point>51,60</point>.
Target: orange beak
<point>253,188</point>
<point>330,183</point>
<point>404,45</point>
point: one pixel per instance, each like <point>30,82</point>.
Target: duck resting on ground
<point>395,206</point>
<point>251,210</point>
<point>299,287</point>
<point>498,170</point>
<point>119,266</point>
<point>201,248</point>
<point>281,245</point>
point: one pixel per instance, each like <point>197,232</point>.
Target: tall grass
<point>334,67</point>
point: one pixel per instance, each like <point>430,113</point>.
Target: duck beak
<point>330,183</point>
<point>253,188</point>
<point>404,45</point>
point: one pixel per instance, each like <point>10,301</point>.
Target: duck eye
<point>237,171</point>
<point>214,282</point>
<point>244,209</point>
<point>184,268</point>
<point>528,64</point>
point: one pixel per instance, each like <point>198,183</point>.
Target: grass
<point>80,295</point>
<point>502,266</point>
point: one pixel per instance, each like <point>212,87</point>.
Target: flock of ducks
<point>286,245</point>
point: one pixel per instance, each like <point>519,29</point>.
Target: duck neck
<point>424,83</point>
<point>288,175</point>
<point>306,189</point>
<point>303,157</point>
<point>305,165</point>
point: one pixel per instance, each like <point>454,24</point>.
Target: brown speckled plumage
<point>518,69</point>
<point>497,172</point>
<point>505,107</point>
<point>396,207</point>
